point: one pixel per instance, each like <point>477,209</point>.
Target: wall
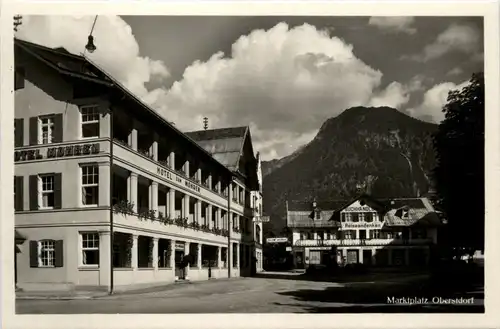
<point>61,225</point>
<point>46,92</point>
<point>69,167</point>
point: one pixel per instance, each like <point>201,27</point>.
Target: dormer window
<point>317,214</point>
<point>405,214</point>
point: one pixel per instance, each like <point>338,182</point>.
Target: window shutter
<point>19,181</point>
<point>57,191</point>
<point>33,193</point>
<point>33,253</point>
<point>58,128</point>
<point>34,131</point>
<point>58,253</point>
<point>19,137</point>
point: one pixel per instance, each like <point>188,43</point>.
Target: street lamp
<point>90,46</point>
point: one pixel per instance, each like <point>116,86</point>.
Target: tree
<point>459,173</point>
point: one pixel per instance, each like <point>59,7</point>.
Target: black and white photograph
<point>248,164</point>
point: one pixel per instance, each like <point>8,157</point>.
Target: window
<point>361,216</point>
<point>46,130</point>
<point>317,214</point>
<point>90,121</point>
<point>90,185</point>
<point>46,253</point>
<point>347,217</point>
<point>419,234</point>
<point>375,234</point>
<point>46,188</point>
<point>369,217</point>
<point>349,234</point>
<point>90,248</point>
<point>355,217</point>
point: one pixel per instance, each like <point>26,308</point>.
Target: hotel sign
<point>177,179</point>
<point>376,225</point>
<point>57,152</point>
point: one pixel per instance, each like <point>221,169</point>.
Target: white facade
<point>78,170</point>
<point>362,235</point>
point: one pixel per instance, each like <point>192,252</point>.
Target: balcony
<point>361,242</point>
<point>313,223</point>
<point>138,162</point>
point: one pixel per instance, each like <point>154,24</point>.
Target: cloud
<point>397,94</point>
<point>394,95</point>
<point>394,23</point>
<point>461,38</point>
<point>455,71</point>
<point>434,99</point>
<point>117,49</point>
<point>283,82</point>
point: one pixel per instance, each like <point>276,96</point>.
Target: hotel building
<point>395,232</point>
<point>109,195</point>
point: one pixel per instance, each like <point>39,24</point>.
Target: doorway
<point>352,256</point>
<point>299,259</point>
<point>179,264</point>
<point>367,257</point>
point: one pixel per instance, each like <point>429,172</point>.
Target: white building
<point>109,194</point>
<point>395,232</point>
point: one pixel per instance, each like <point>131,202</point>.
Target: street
<point>266,294</point>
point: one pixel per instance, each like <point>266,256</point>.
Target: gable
<point>358,206</point>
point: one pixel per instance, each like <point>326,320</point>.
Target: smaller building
<point>374,232</point>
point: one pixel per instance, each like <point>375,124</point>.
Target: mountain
<point>270,166</point>
<point>379,148</point>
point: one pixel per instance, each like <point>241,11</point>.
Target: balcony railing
<point>313,223</point>
<point>361,242</point>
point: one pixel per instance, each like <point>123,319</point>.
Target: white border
<point>488,9</point>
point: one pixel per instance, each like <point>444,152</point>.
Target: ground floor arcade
<point>370,256</point>
<point>66,258</point>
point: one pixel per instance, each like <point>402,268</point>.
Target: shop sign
<point>177,179</point>
<point>56,152</point>
<point>276,240</point>
<point>358,209</point>
<point>362,225</point>
<point>262,219</point>
<point>179,246</point>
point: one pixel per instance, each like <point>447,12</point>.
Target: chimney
<point>314,203</point>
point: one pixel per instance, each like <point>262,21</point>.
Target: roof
<point>300,213</point>
<point>225,144</point>
<point>419,212</point>
<point>65,62</point>
<point>81,67</point>
<point>308,206</point>
<point>305,219</point>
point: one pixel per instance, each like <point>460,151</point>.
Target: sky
<point>282,76</point>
